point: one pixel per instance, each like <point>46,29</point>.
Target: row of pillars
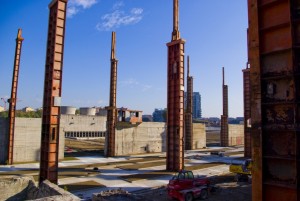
<point>53,85</point>
<point>52,94</point>
<point>275,165</point>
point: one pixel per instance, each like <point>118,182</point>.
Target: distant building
<point>132,116</point>
<point>159,115</point>
<point>237,120</point>
<point>147,118</point>
<point>197,111</point>
<point>1,109</point>
<point>100,111</point>
<point>28,109</point>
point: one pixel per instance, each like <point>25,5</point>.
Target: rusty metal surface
<point>13,98</point>
<point>247,113</point>
<point>224,118</point>
<point>52,91</point>
<point>274,73</point>
<point>112,109</point>
<point>255,95</point>
<point>188,126</point>
<point>175,113</point>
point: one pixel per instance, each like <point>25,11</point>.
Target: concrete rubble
<point>113,195</point>
<point>24,188</point>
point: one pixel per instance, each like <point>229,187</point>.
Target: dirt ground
<point>84,145</point>
<point>225,190</point>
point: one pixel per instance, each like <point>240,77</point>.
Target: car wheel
<point>204,194</point>
<point>189,197</point>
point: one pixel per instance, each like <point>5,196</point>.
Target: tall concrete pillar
<point>247,113</point>
<point>52,91</point>
<point>13,98</point>
<point>175,113</point>
<point>224,117</point>
<point>189,110</point>
<point>112,109</point>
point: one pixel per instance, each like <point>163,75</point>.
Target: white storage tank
<point>87,111</point>
<point>67,110</point>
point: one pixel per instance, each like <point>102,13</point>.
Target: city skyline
<point>142,32</point>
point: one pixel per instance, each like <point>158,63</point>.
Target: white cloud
<point>72,11</point>
<point>119,18</point>
<point>137,11</point>
<point>129,82</point>
<point>74,6</point>
<point>132,83</point>
<point>118,5</point>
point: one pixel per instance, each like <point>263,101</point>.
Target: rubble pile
<point>113,195</point>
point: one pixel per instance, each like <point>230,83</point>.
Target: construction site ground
<point>86,172</point>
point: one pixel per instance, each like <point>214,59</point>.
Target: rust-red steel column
<point>189,110</point>
<point>13,98</point>
<point>224,117</point>
<point>112,109</point>
<point>52,91</point>
<point>175,113</point>
<point>275,99</point>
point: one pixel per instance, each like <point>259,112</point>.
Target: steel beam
<point>175,113</point>
<point>13,98</point>
<point>275,98</point>
<point>52,91</point>
<point>189,110</point>
<point>224,117</point>
<point>112,109</point>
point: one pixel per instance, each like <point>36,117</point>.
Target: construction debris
<point>113,195</point>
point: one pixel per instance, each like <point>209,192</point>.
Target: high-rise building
<point>197,111</point>
<point>159,115</point>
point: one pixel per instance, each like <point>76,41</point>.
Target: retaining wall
<point>3,139</point>
<point>235,134</point>
<point>150,137</point>
<point>27,140</point>
<point>70,123</point>
<point>199,136</point>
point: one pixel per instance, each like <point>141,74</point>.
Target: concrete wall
<point>3,139</point>
<point>235,134</point>
<point>143,138</point>
<point>150,137</point>
<point>27,140</point>
<point>147,137</point>
<point>69,123</point>
<point>199,136</point>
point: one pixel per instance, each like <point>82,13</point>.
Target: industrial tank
<point>67,110</point>
<point>87,111</point>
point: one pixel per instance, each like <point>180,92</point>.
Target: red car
<point>185,187</point>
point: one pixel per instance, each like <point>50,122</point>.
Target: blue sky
<point>214,30</point>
